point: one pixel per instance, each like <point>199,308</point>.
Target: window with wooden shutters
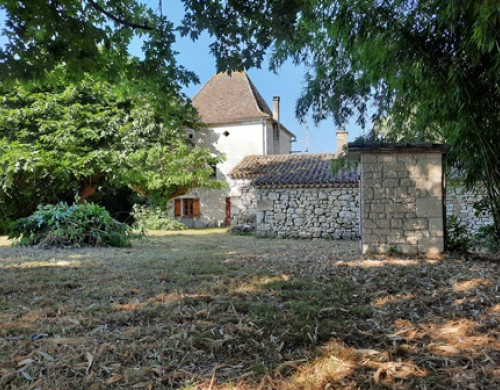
<point>189,207</point>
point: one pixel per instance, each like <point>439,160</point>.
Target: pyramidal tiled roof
<point>293,170</point>
<point>230,98</point>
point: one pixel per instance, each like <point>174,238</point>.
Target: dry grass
<point>209,310</point>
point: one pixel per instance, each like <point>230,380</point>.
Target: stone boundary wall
<point>308,213</point>
<point>460,203</point>
<point>243,206</point>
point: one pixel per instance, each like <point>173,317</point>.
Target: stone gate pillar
<point>401,197</point>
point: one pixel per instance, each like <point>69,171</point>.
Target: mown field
<point>210,310</point>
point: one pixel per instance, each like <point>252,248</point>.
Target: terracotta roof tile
<point>230,98</point>
<point>293,170</point>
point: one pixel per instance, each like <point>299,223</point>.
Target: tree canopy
<point>61,138</point>
<point>79,111</point>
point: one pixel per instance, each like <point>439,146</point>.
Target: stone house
<point>270,190</point>
<point>239,123</point>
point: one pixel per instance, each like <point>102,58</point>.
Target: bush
<point>486,239</point>
<point>77,225</point>
<point>457,236</point>
<point>154,218</point>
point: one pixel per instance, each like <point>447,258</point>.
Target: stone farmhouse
<point>295,196</point>
<point>280,194</point>
<point>239,123</point>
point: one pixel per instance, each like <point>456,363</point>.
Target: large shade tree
<point>80,112</point>
<point>60,138</point>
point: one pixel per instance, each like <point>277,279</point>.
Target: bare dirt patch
<point>209,310</point>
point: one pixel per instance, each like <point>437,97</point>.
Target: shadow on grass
<point>222,311</point>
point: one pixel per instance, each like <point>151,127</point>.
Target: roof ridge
<point>229,97</point>
<point>258,98</point>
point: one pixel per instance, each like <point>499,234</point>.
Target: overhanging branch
<point>97,7</point>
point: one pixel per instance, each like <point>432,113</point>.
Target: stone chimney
<point>342,136</point>
<point>276,108</point>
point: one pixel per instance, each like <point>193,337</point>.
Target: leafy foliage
<point>77,225</point>
<point>457,235</point>
<point>154,218</point>
<point>89,36</point>
<point>60,138</point>
<point>486,239</point>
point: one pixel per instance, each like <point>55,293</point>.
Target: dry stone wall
<point>243,206</point>
<point>460,203</point>
<point>308,213</point>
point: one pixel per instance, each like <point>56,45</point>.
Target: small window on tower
<point>214,170</point>
<point>226,133</point>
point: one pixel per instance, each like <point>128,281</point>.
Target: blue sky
<point>287,84</point>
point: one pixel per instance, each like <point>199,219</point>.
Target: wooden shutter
<point>196,207</point>
<point>177,207</point>
<point>228,211</point>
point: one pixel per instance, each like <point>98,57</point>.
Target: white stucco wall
<point>285,143</point>
<point>243,139</point>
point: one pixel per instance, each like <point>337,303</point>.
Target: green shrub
<point>457,235</point>
<point>154,218</point>
<point>486,239</point>
<point>77,225</point>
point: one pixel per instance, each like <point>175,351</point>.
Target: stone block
<point>407,249</point>
<point>388,158</point>
<point>319,211</point>
<point>368,158</point>
<point>436,226</point>
<point>411,240</point>
<point>429,207</point>
<point>390,173</point>
<point>368,193</point>
<point>390,183</point>
<point>378,208</point>
<point>347,214</point>
<point>264,227</point>
<point>305,235</point>
<point>273,196</point>
<point>407,183</point>
<point>430,168</point>
<point>382,224</point>
<point>396,223</point>
<point>265,204</point>
<point>392,208</point>
<point>431,245</point>
<point>413,224</point>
